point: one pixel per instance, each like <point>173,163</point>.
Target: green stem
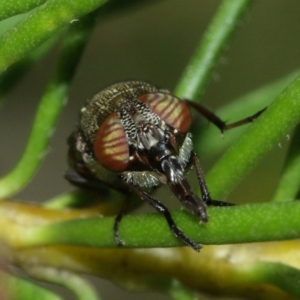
<point>72,199</point>
<point>274,124</point>
<point>180,292</point>
<point>289,182</point>
<point>198,72</point>
<point>235,224</point>
<point>209,141</point>
<point>15,288</point>
<point>40,25</point>
<point>9,8</point>
<point>49,109</point>
<point>16,71</point>
<point>282,276</point>
<point>77,285</point>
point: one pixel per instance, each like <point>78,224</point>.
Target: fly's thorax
<point>143,128</point>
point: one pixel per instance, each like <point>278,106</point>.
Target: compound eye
<point>170,109</point>
<point>111,147</point>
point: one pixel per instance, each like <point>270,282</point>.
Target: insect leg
<point>163,210</point>
<point>203,187</point>
<point>213,118</point>
<point>117,221</point>
<point>86,183</point>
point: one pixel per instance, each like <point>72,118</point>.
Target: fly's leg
<point>211,117</point>
<point>92,185</point>
<point>117,221</point>
<point>79,175</point>
<point>203,187</point>
<point>165,212</point>
<point>85,183</point>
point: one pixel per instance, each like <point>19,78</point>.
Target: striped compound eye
<point>170,109</point>
<point>111,146</point>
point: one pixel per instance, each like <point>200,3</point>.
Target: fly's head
<point>145,139</point>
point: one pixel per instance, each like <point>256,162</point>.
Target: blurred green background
<point>154,42</point>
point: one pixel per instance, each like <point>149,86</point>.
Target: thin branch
<point>289,183</point>
<point>40,25</point>
<point>274,124</point>
<point>49,109</point>
<point>235,224</point>
<point>210,142</point>
<point>199,70</point>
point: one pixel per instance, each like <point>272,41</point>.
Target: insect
<point>134,136</point>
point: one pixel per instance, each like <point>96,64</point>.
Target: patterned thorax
<point>133,113</point>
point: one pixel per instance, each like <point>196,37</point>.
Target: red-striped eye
<point>111,147</point>
<point>170,109</point>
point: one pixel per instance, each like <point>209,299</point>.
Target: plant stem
<point>198,72</point>
<point>235,224</point>
<point>13,288</point>
<point>289,182</point>
<point>49,109</point>
<point>79,286</point>
<point>16,71</point>
<point>210,142</point>
<point>40,25</point>
<point>9,8</point>
<point>280,275</point>
<point>274,124</point>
